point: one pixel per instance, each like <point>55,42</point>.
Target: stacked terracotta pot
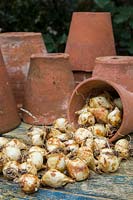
<point>90,36</point>
<point>17,47</point>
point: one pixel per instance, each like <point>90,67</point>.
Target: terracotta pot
<point>49,86</point>
<point>17,47</point>
<point>90,36</point>
<point>118,69</point>
<point>8,112</point>
<point>80,76</point>
<point>89,86</point>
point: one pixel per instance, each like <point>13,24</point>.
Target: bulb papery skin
<point>12,153</point>
<point>86,118</point>
<point>37,131</point>
<point>100,114</point>
<point>77,169</point>
<point>10,170</point>
<point>100,143</point>
<point>57,134</point>
<point>99,130</point>
<point>56,161</point>
<point>108,162</point>
<point>53,144</point>
<point>55,179</point>
<point>37,140</point>
<point>122,143</point>
<point>29,183</point>
<point>36,158</point>
<point>83,110</point>
<point>122,147</point>
<point>38,149</point>
<point>114,117</point>
<point>118,103</point>
<point>107,151</point>
<point>16,143</point>
<point>86,155</point>
<point>100,101</point>
<point>60,124</point>
<point>27,167</point>
<point>54,132</point>
<point>3,142</point>
<point>89,143</point>
<point>71,146</point>
<point>81,134</point>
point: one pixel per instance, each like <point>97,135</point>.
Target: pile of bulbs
<point>101,114</point>
<point>59,154</point>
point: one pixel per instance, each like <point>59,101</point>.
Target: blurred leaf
<point>102,3</point>
<point>50,44</point>
<point>126,34</point>
<point>62,39</point>
<point>131,23</point>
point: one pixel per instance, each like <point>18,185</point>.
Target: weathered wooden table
<point>118,186</point>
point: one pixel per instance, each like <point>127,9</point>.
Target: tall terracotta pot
<point>88,86</point>
<point>118,69</point>
<point>90,36</point>
<point>48,88</point>
<point>17,47</point>
<point>8,112</point>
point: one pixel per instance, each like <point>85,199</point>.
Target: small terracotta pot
<point>8,112</point>
<point>80,76</point>
<point>49,86</point>
<point>90,36</point>
<point>118,69</point>
<point>89,86</point>
<point>17,47</point>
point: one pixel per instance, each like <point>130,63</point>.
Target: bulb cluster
<point>58,155</point>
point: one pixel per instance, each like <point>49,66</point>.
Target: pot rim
<point>19,34</point>
<point>115,60</point>
<point>50,55</point>
<point>92,13</point>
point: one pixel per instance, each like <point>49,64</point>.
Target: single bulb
<point>56,161</point>
<point>54,144</point>
<point>12,153</point>
<point>86,118</point>
<point>100,114</point>
<point>10,170</point>
<point>82,134</point>
<point>29,183</point>
<point>100,101</point>
<point>60,124</point>
<point>115,117</point>
<point>77,169</point>
<point>36,158</point>
<point>99,130</point>
<point>55,178</point>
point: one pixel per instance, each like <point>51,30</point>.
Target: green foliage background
<point>52,18</point>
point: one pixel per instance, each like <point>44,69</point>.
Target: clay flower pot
<point>118,69</point>
<point>90,36</point>
<point>17,47</point>
<point>88,86</point>
<point>48,88</point>
<point>8,112</point>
